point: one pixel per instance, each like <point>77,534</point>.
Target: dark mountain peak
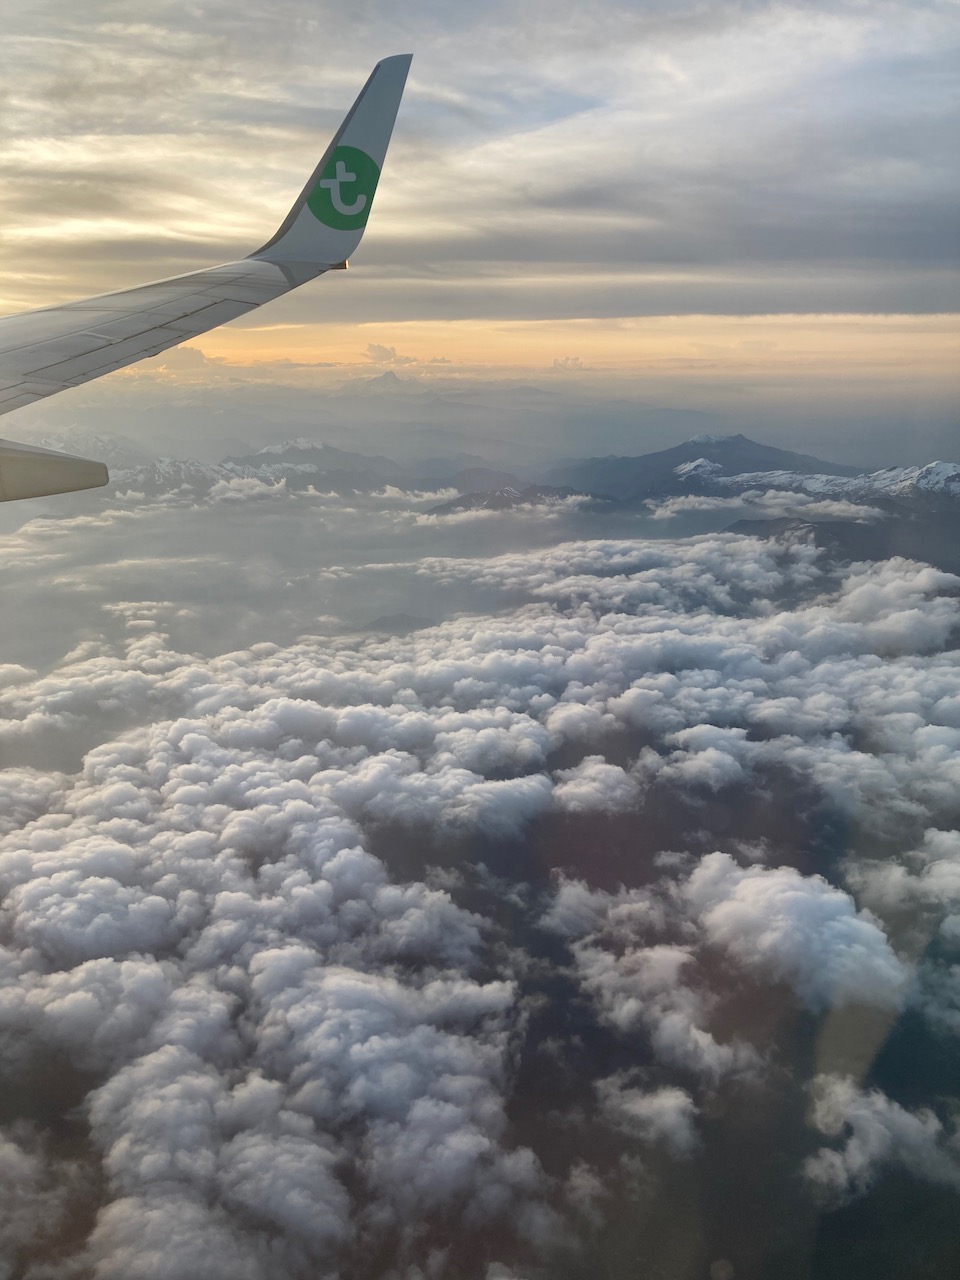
<point>381,384</point>
<point>705,438</point>
<point>656,473</point>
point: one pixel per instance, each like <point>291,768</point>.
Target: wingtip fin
<point>328,219</point>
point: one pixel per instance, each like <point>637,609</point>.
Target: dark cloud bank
<point>603,922</point>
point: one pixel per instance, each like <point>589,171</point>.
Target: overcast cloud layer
<point>633,159</point>
<point>479,949</point>
<point>742,213</point>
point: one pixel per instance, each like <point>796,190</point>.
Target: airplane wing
<point>43,352</point>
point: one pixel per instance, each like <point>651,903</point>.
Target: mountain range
<point>651,474</point>
<point>920,505</point>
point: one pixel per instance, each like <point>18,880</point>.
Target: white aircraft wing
<point>43,352</point>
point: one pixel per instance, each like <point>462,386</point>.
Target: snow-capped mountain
<point>707,464</point>
<point>894,482</point>
<point>321,458</point>
<point>299,445</point>
<point>167,475</point>
<point>659,473</point>
<point>920,505</point>
<point>115,451</point>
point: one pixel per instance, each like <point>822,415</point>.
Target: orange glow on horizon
<point>763,347</point>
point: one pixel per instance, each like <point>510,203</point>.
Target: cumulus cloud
<point>551,508</point>
<point>876,1134</point>
<point>645,955</point>
<point>922,887</point>
<point>639,964</point>
<point>769,505</point>
<point>377,353</point>
<point>250,946</point>
<point>287,910</point>
<point>797,928</point>
<point>39,1192</point>
<point>594,784</point>
<point>664,1114</point>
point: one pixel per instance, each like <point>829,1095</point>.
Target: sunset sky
<point>713,197</point>
<point>438,841</point>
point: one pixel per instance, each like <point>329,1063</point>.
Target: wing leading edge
<point>43,352</point>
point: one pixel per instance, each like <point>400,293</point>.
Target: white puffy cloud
<point>550,508</point>
<point>919,891</point>
<point>665,1114</point>
<point>636,960</point>
<point>797,929</point>
<point>25,794</point>
<point>770,504</point>
<point>644,955</point>
<point>937,995</point>
<point>156,946</point>
<point>876,1134</point>
<point>302,1043</point>
<point>595,785</point>
<point>162,1237</point>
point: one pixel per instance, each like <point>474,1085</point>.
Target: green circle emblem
<point>343,193</point>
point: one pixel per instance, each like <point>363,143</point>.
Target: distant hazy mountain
<point>115,451</point>
<point>383,384</point>
<point>921,505</point>
<point>301,464</point>
<point>321,458</point>
<point>652,474</point>
<point>484,480</point>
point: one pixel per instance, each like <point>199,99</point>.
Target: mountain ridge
<point>643,475</point>
<point>705,465</point>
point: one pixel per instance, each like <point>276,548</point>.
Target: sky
<point>747,209</point>
<point>392,892</point>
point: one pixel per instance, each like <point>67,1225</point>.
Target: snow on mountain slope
<point>167,475</point>
<point>290,446</point>
<point>941,478</point>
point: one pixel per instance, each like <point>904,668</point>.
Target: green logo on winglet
<point>344,191</point>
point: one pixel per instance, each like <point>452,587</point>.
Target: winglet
<point>327,221</point>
